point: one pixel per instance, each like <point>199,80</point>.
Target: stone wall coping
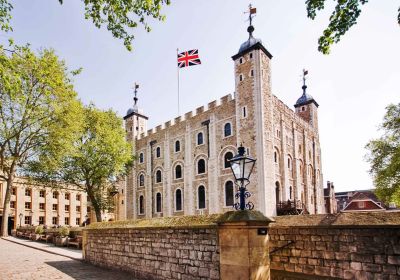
<point>275,226</point>
<point>210,226</point>
<point>247,217</point>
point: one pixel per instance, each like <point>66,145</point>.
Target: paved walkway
<point>48,247</point>
<point>19,262</point>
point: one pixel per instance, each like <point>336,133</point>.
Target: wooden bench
<point>77,241</point>
<point>47,237</point>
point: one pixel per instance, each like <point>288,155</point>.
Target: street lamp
<point>20,219</point>
<point>242,166</point>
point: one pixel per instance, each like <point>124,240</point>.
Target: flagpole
<point>177,69</point>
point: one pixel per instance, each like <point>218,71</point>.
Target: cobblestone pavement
<point>20,262</point>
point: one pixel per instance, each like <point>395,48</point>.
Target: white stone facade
<point>284,142</point>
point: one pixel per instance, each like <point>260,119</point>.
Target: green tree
<point>37,112</point>
<point>341,20</point>
<point>384,157</point>
<point>100,155</point>
<point>119,16</point>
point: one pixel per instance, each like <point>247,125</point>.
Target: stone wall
<point>345,252</point>
<point>156,253</point>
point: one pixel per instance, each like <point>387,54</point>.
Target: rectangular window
<point>66,208</point>
<point>27,205</point>
<point>78,197</point>
<point>42,193</point>
<point>27,192</point>
<point>41,220</point>
<point>67,196</point>
<point>55,195</point>
<point>12,204</point>
<point>78,209</point>
<point>55,207</point>
<point>41,206</point>
<point>66,221</point>
<point>361,204</point>
<point>54,220</point>
<point>88,209</point>
<point>14,191</point>
<point>28,220</point>
<point>244,112</point>
<point>78,221</point>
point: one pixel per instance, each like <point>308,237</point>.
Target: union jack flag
<point>188,58</point>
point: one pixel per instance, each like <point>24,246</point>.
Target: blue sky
<point>352,85</point>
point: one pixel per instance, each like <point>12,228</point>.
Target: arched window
<point>158,176</point>
<point>228,156</point>
<point>275,157</point>
<point>141,158</point>
<point>178,172</point>
<point>158,152</point>
<point>158,203</point>
<point>177,146</point>
<point>290,192</point>
<point>227,130</point>
<point>229,193</point>
<point>200,138</point>
<point>201,196</point>
<point>277,192</point>
<point>289,163</point>
<point>141,180</point>
<point>141,204</point>
<point>178,200</point>
<point>201,166</point>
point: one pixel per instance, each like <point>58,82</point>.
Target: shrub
<point>63,231</point>
<point>39,230</point>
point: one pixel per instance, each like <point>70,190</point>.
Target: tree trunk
<point>6,206</point>
<point>98,213</point>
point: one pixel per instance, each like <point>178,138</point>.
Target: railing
<point>291,208</point>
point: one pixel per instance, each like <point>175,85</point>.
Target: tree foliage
<point>343,17</point>
<point>99,156</point>
<point>37,112</point>
<point>384,157</point>
<point>120,17</point>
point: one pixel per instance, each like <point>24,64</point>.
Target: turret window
<point>178,200</point>
<point>201,196</point>
<point>158,202</point>
<point>158,176</point>
<point>141,158</point>
<point>251,55</point>
<point>158,152</point>
<point>227,130</point>
<point>141,180</point>
<point>141,205</point>
<point>252,73</point>
<point>200,139</point>
<point>228,156</point>
<point>201,166</point>
<point>240,77</point>
<point>177,146</point>
<point>178,172</point>
<point>241,60</point>
<point>229,193</point>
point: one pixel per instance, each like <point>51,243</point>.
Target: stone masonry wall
<point>156,253</point>
<point>345,252</point>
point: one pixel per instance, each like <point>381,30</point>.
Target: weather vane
<point>252,11</point>
<point>135,88</point>
<point>305,73</point>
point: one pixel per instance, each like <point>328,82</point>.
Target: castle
<point>182,167</point>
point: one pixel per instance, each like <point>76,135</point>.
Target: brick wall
<point>156,253</point>
<point>346,252</point>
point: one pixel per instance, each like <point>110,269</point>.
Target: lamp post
<point>242,166</point>
<point>20,219</point>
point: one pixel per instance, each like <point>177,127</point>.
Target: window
<point>200,138</point>
<point>201,196</point>
<point>78,197</point>
<point>122,202</point>
<point>27,205</point>
<point>54,220</point>
<point>240,77</point>
<point>66,208</point>
<point>361,204</point>
<point>67,196</point>
<point>141,180</point>
<point>290,192</point>
<point>229,193</point>
<point>251,55</point>
<point>141,205</point>
<point>55,207</point>
<point>241,60</point>
<point>252,73</point>
<point>244,112</point>
<point>141,158</point>
<point>28,220</point>
<point>12,204</point>
<point>14,191</point>
<point>88,209</point>
<point>227,130</point>
<point>227,157</point>
<point>55,195</point>
<point>42,206</point>
<point>303,108</point>
<point>78,209</point>
<point>289,163</point>
<point>158,202</point>
<point>66,221</point>
<point>275,157</point>
<point>277,192</point>
<point>177,146</point>
<point>158,176</point>
<point>178,172</point>
<point>178,200</point>
<point>201,166</point>
<point>41,220</point>
<point>158,152</point>
<point>42,193</point>
<point>28,192</point>
<point>78,221</point>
